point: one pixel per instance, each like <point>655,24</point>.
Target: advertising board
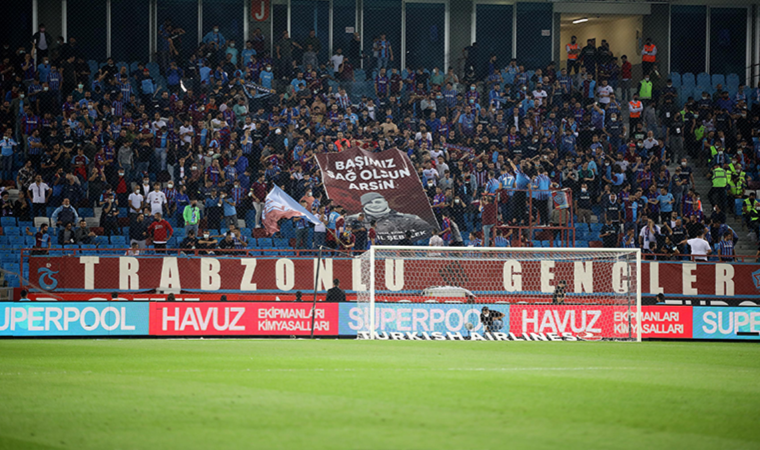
<point>74,319</point>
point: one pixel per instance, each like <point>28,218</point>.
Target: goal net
<point>499,293</point>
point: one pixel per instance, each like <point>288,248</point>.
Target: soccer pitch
<point>334,394</point>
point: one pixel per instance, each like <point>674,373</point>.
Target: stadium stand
<point>88,140</point>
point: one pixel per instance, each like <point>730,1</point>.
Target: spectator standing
<point>39,191</point>
<point>699,246</point>
<point>42,42</point>
<point>192,216</point>
<point>161,231</point>
<point>573,51</point>
<point>648,56</point>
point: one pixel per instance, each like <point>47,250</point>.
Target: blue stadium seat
<point>733,80</point>
<point>172,243</point>
<point>7,222</point>
<point>86,212</point>
<point>688,79</point>
<point>281,242</point>
<point>703,79</point>
<point>101,241</point>
<point>546,244</point>
<point>596,227</point>
<point>4,241</point>
<point>30,241</point>
<point>25,223</point>
<point>718,78</point>
<point>12,230</point>
<point>676,77</point>
<point>264,243</point>
<point>246,232</point>
<point>119,240</point>
<point>581,244</point>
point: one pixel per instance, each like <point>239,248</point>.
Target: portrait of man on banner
<point>384,187</point>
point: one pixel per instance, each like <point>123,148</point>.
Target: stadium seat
<point>119,240</point>
<point>535,243</point>
<point>676,77</point>
<point>86,212</point>
<point>101,241</point>
<point>546,244</point>
<point>596,227</point>
<point>281,242</point>
<point>718,78</point>
<point>38,221</point>
<point>581,244</point>
<point>8,222</point>
<point>264,243</point>
<point>30,241</point>
<point>703,79</point>
<point>688,79</point>
<point>12,231</point>
<point>246,232</point>
<point>733,81</point>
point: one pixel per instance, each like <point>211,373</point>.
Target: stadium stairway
<point>746,244</point>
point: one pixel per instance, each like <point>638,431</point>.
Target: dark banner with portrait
<point>385,186</point>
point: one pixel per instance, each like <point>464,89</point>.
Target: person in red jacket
<point>161,231</point>
<point>625,79</point>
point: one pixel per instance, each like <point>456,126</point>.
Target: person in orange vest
<point>572,55</point>
<point>648,56</point>
<point>342,143</point>
<point>635,107</point>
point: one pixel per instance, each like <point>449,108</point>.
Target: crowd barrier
<point>396,321</point>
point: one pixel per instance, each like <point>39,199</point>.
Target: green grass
<point>276,394</point>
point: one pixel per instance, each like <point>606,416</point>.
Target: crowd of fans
<point>196,141</point>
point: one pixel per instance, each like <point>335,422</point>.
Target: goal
<point>497,293</point>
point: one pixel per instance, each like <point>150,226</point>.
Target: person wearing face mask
<point>215,38</point>
<point>136,202</point>
<point>206,242</point>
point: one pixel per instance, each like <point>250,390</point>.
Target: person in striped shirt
<point>726,247</point>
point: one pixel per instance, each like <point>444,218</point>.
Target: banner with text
<point>419,317</point>
<point>74,319</point>
<point>489,279</point>
<point>242,319</point>
<point>712,322</point>
<point>385,186</point>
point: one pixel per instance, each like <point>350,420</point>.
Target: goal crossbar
<point>632,257</point>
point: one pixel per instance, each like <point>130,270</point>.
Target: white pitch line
<point>348,369</point>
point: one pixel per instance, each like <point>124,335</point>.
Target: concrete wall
<point>620,33</point>
<point>460,29</point>
<point>657,27</point>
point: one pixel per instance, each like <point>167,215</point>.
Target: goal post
<point>493,293</point>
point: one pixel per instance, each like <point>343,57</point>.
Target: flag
<point>280,205</point>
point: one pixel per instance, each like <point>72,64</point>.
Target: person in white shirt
<point>700,248</point>
<point>337,60</point>
<point>650,141</point>
<point>186,132</point>
<point>135,201</point>
<point>604,91</point>
<point>539,95</point>
<point>39,191</point>
<point>156,199</point>
<point>648,235</point>
<point>435,240</point>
